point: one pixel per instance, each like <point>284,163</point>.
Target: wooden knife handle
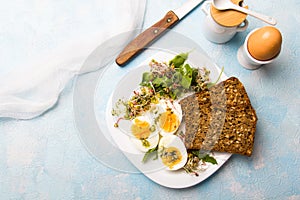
<point>146,38</point>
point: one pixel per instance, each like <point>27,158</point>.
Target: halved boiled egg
<point>172,152</point>
<point>170,117</point>
<point>145,144</point>
<point>141,127</point>
<point>144,133</point>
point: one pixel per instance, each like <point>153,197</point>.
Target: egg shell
<point>265,43</point>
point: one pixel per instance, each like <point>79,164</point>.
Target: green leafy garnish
<point>209,85</point>
<point>165,80</point>
<point>178,60</point>
<point>197,160</point>
<point>174,78</point>
<point>150,153</point>
<point>210,159</point>
<point>205,157</point>
<point>147,76</point>
<point>187,76</point>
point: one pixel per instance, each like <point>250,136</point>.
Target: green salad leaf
<point>187,75</point>
<point>210,159</point>
<point>205,157</point>
<point>171,79</point>
<point>147,76</point>
<point>178,60</point>
<point>150,153</point>
<point>174,78</point>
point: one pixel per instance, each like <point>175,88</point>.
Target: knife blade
<point>152,33</point>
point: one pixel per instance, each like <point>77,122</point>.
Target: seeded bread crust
<point>220,119</point>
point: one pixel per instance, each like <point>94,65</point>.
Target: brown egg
<point>265,43</point>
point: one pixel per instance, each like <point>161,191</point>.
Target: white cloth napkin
<point>32,88</point>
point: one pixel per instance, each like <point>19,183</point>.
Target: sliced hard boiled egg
<point>172,152</point>
<point>144,133</point>
<point>170,117</point>
<point>145,144</point>
<point>141,127</point>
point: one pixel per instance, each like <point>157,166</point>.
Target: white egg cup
<point>245,58</point>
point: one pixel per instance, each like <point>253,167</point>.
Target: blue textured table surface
<point>43,158</point>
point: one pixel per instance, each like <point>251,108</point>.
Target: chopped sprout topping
<point>164,81</point>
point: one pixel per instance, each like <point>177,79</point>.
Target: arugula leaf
<point>210,159</point>
<point>185,82</point>
<point>187,75</point>
<point>147,76</point>
<point>186,70</point>
<point>177,76</point>
<point>197,153</point>
<point>205,157</point>
<point>178,60</point>
<point>159,81</point>
<point>163,82</point>
<point>176,93</point>
<point>150,153</point>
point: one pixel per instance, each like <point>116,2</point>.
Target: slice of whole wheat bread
<point>220,119</point>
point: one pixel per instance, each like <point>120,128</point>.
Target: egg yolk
<point>168,121</point>
<point>171,156</point>
<point>140,129</point>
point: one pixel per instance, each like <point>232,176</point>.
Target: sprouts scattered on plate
<point>152,117</point>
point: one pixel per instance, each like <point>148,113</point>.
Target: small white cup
<point>217,33</point>
<point>245,58</point>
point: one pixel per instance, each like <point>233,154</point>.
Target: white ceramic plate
<point>153,169</point>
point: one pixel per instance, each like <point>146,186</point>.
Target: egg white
<point>152,139</point>
<point>173,141</point>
